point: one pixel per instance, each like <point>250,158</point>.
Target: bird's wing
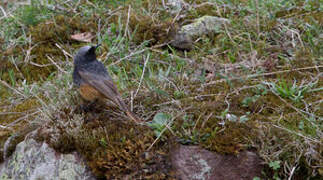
<point>105,86</point>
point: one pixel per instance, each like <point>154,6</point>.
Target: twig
<point>297,110</point>
<point>257,16</point>
<point>164,4</point>
<point>22,118</point>
<point>99,32</point>
<point>294,32</point>
<point>7,113</point>
<point>298,134</point>
<point>207,118</point>
<point>127,23</point>
<point>3,11</point>
<point>65,53</point>
<point>77,5</point>
<point>39,65</point>
<point>131,100</point>
<point>139,52</point>
<point>160,134</point>
<point>5,127</point>
<point>262,74</point>
<point>57,7</point>
<point>28,52</point>
<point>291,173</point>
<point>126,57</point>
<point>113,11</point>
<point>171,82</point>
<point>143,73</point>
<point>198,119</point>
<point>59,68</point>
<point>192,97</point>
<point>217,9</point>
<point>171,55</point>
<point>175,18</point>
<point>8,86</point>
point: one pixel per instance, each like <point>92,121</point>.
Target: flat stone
<point>195,163</point>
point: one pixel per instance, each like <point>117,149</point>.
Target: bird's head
<point>86,54</point>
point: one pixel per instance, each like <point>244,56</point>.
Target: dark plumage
<point>93,80</point>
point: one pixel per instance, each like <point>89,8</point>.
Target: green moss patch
<point>148,29</point>
<point>112,147</point>
<point>32,61</point>
<point>13,113</point>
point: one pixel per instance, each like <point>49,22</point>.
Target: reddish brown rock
<point>195,163</point>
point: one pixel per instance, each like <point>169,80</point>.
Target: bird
<point>94,82</point>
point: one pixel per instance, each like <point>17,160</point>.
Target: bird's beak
<point>93,48</point>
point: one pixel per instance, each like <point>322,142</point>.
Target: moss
<point>4,135</point>
<point>112,147</point>
<point>44,36</point>
<point>146,28</point>
<point>231,139</point>
<point>208,131</point>
<point>19,111</point>
<point>227,139</point>
<point>203,9</point>
<point>124,153</point>
<point>307,15</point>
<point>303,59</point>
<point>295,122</point>
<point>60,29</point>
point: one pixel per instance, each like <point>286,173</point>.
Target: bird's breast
<point>89,93</point>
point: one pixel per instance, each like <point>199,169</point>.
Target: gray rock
<point>203,26</point>
<point>16,138</point>
<point>206,25</point>
<point>182,41</point>
<point>33,161</point>
<point>176,6</point>
<point>195,163</point>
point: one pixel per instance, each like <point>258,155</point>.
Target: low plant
<point>290,91</point>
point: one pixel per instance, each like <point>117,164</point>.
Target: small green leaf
<point>161,118</point>
<point>12,77</point>
<point>159,122</point>
<point>274,165</point>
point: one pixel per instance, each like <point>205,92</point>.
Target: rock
<point>195,163</point>
<point>203,26</point>
<point>33,160</point>
<point>182,42</point>
<point>206,25</point>
<point>16,138</point>
<point>176,6</point>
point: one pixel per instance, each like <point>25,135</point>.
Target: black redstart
<point>93,81</point>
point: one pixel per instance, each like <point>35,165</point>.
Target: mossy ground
<point>113,147</point>
<point>233,91</point>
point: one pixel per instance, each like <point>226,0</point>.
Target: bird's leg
<point>86,106</point>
